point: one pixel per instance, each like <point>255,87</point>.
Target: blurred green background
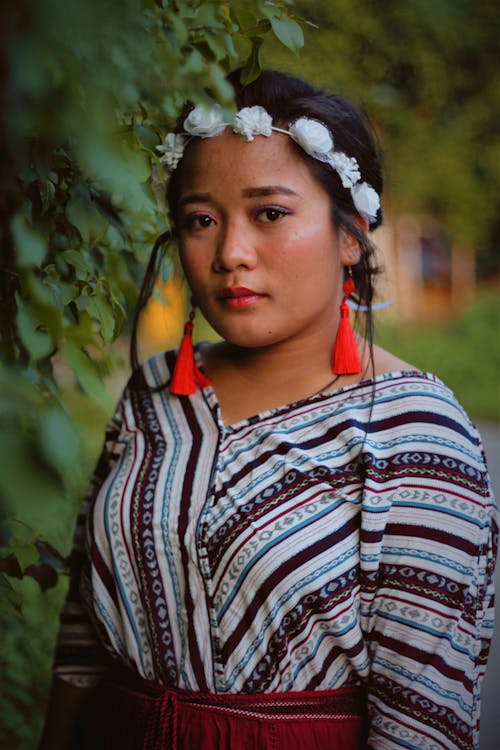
<point>87,91</point>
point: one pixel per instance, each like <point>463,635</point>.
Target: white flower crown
<point>311,135</point>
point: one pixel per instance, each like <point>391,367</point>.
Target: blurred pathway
<point>490,714</point>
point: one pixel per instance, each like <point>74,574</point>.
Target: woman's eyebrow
<point>194,198</point>
<point>257,192</point>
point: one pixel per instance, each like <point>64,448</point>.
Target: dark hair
<point>286,98</point>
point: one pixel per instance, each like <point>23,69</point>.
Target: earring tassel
<point>187,377</point>
<point>346,360</point>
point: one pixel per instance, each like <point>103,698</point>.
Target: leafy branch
<point>91,88</point>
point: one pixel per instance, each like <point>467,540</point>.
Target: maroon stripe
<point>142,530</point>
<point>415,418</point>
<point>291,485</point>
<point>197,661</point>
<point>105,575</point>
<point>279,574</point>
<point>344,475</point>
<point>434,534</point>
<point>428,464</point>
<point>419,656</point>
<point>289,488</point>
<point>423,710</point>
<point>412,728</point>
<point>298,621</point>
<point>427,584</point>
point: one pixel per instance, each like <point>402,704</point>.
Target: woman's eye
<point>198,221</point>
<point>271,214</point>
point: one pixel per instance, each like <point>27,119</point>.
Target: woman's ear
<point>350,250</point>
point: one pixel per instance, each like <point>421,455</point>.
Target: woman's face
<point>257,242</point>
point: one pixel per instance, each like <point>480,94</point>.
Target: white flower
<point>366,200</point>
<point>172,149</point>
<point>346,168</point>
<point>313,137</point>
<point>251,121</point>
<point>204,121</point>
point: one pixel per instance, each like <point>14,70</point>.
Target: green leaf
<point>195,63</point>
<point>38,343</point>
<point>33,493</point>
<point>228,41</point>
<point>179,28</point>
<point>243,17</point>
<point>136,162</point>
<point>45,310</point>
<point>83,214</point>
<point>19,530</point>
<point>216,45</point>
<point>34,289</point>
<point>99,308</point>
<point>31,248</point>
<point>77,260</point>
<point>62,291</point>
<point>59,440</point>
<point>86,373</point>
<point>47,194</point>
<point>120,175</point>
<point>26,554</point>
<point>207,18</point>
<point>146,136</point>
<point>10,599</point>
<point>288,32</point>
<point>186,9</point>
<point>253,65</point>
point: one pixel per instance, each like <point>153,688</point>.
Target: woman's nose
<point>235,249</point>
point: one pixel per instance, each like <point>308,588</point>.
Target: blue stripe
<point>118,580</point>
<point>412,625</point>
<point>263,550</point>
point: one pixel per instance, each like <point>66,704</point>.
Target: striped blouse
<point>347,538</point>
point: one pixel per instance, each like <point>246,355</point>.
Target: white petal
<point>366,200</point>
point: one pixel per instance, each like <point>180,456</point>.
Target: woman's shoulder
<point>412,396</point>
<point>385,362</point>
<point>408,382</point>
<point>154,372</point>
<point>420,430</point>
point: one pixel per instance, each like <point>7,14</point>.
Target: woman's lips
<point>239,297</point>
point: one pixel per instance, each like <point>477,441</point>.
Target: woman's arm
<point>427,559</point>
<point>429,643</point>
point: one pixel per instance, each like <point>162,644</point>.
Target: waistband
<point>341,704</point>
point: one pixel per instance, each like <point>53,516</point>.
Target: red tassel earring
<point>345,359</point>
<point>187,376</point>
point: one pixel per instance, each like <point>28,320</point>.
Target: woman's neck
<point>249,381</point>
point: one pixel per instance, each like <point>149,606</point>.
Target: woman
<point>287,547</point>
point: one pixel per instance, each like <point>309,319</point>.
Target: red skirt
<point>131,714</point>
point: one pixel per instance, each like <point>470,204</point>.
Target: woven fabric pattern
<point>346,539</point>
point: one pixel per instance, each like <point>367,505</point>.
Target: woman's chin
<point>246,339</point>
